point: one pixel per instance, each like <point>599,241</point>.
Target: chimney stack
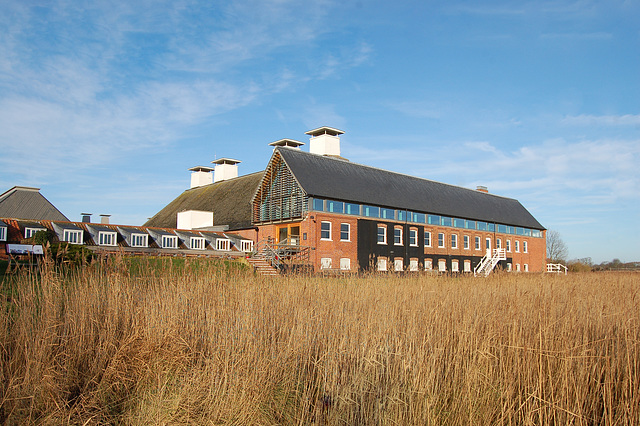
<point>482,189</point>
<point>291,143</point>
<point>104,219</point>
<point>325,141</point>
<point>86,217</point>
<point>201,175</point>
<point>226,168</point>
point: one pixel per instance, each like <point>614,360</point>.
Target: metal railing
<point>489,261</point>
<point>556,268</point>
<point>286,252</point>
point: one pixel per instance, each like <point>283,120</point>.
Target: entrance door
<point>289,234</point>
<point>283,234</point>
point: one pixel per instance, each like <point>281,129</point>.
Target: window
<point>467,266</point>
<point>498,243</point>
<point>398,265</point>
<point>318,204</point>
<point>524,247</point>
<point>3,233</point>
<point>488,243</point>
<point>139,240</point>
<point>370,211</point>
<point>526,267</point>
<point>335,206</point>
<point>459,223</point>
<point>454,266</point>
<point>402,215</point>
<point>169,241</point>
<point>517,267</point>
<point>345,264</point>
<point>345,231</point>
<point>325,263</point>
<point>454,241</point>
<point>428,264</point>
<point>387,213</point>
<point>353,209</point>
<point>413,237</point>
<point>442,265</point>
<point>196,243</point>
<point>445,221</point>
<point>440,239</point>
<point>470,224</point>
<point>382,264</point>
<point>477,243</point>
<point>106,238</point>
<point>29,232</point>
<point>509,267</point>
<point>517,246</point>
<point>397,236</point>
<point>72,236</point>
<point>325,231</point>
<point>413,265</point>
<point>223,244</point>
<point>382,234</point>
<point>246,246</point>
<point>509,246</point>
<point>427,239</point>
<point>433,219</point>
<point>465,242</point>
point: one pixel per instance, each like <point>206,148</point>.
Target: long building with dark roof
<point>346,216</point>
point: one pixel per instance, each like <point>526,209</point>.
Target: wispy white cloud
<point>575,36</point>
<point>603,120</point>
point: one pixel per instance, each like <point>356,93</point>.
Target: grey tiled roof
<point>327,177</point>
<point>27,203</point>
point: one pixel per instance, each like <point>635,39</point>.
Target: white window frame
<point>223,244</point>
<point>508,246</point>
<point>137,236</point>
<point>526,267</point>
<point>413,265</point>
<point>467,265</point>
<point>441,238</point>
<point>498,243</point>
<point>427,238</point>
<point>3,233</point>
<point>428,265</point>
<point>454,241</point>
<point>246,246</point>
<point>455,265</point>
<point>397,228</point>
<point>477,243</point>
<point>169,241</point>
<point>348,231</point>
<point>509,267</point>
<point>197,243</point>
<point>384,235</point>
<point>323,231</point>
<point>442,265</point>
<point>398,264</point>
<point>487,243</point>
<point>413,238</point>
<point>525,248</point>
<point>72,236</point>
<point>345,264</point>
<point>382,264</point>
<point>326,263</point>
<point>28,232</point>
<point>465,242</point>
<point>517,247</point>
<point>517,267</point>
<point>107,238</point>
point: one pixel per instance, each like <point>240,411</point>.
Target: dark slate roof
<point>328,177</point>
<point>23,202</point>
<point>230,201</point>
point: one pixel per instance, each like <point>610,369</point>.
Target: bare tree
<point>556,248</point>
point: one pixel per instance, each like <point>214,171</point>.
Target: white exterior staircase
<point>262,266</point>
<point>489,261</point>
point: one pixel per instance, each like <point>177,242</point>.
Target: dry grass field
<point>207,346</point>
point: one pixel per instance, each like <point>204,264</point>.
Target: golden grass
<point>105,346</point>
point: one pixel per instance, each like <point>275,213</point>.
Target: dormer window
<point>169,241</point>
<point>139,240</point>
<point>3,233</point>
<point>29,232</point>
<point>106,238</point>
<point>246,246</point>
<point>196,243</point>
<point>73,236</point>
<point>223,244</point>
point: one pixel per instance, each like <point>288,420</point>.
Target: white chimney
<point>226,168</point>
<point>325,141</point>
<point>194,219</point>
<point>291,143</point>
<point>200,176</point>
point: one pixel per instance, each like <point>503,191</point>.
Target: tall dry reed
<point>202,346</point>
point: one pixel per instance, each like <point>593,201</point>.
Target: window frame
<point>455,265</point>
<point>384,235</point>
<point>381,264</point>
<point>396,236</point>
<point>525,248</point>
<point>454,241</point>
<point>30,231</point>
<point>348,231</point>
<point>517,246</point>
<point>246,246</point>
<point>427,238</point>
<point>107,238</point>
<point>144,237</point>
<point>166,238</point>
<point>223,244</point>
<point>345,264</point>
<point>200,243</point>
<point>323,231</point>
<point>413,237</point>
<point>67,233</point>
<point>441,239</point>
<point>398,264</point>
<point>3,233</point>
<point>508,242</point>
<point>477,242</point>
<point>326,263</point>
<point>465,242</point>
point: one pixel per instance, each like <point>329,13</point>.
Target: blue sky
<point>104,105</point>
